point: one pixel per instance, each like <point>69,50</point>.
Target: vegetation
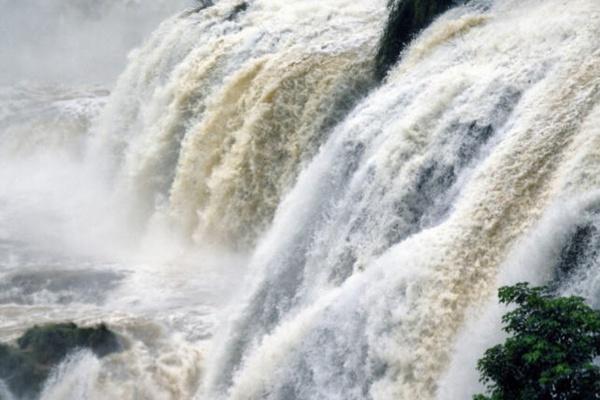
<point>550,352</point>
<point>406,19</point>
<point>25,368</point>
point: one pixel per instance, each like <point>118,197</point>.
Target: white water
<point>258,220</point>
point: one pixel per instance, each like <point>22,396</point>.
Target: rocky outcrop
<point>25,367</point>
<point>406,19</point>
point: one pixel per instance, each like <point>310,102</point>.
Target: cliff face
<point>406,19</point>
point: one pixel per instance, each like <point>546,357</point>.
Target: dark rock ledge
<point>25,366</point>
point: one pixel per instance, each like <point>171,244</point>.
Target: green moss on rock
<point>25,368</point>
<point>21,373</point>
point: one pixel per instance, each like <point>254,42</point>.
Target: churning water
<point>260,218</point>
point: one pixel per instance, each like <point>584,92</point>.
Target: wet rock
<point>237,10</point>
<point>25,367</point>
<point>406,19</point>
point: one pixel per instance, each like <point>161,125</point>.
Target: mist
<point>75,41</point>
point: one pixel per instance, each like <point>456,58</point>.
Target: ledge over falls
<point>406,19</point>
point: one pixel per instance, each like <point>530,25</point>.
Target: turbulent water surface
<point>259,217</point>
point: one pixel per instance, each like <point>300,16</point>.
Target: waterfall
<point>401,221</point>
<point>213,131</point>
<point>336,208</point>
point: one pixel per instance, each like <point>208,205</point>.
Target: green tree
<point>550,351</point>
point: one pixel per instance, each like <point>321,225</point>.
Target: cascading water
<point>212,133</point>
<point>402,219</point>
<point>259,217</point>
